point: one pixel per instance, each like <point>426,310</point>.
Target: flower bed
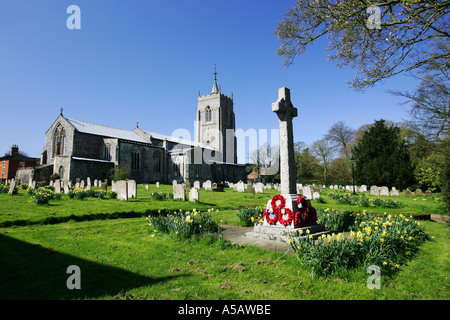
<point>363,201</point>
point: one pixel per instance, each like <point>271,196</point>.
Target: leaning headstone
<point>12,186</point>
<point>418,192</point>
<point>193,195</point>
<point>384,191</point>
<point>122,190</point>
<point>57,186</point>
<point>179,192</point>
<point>374,191</point>
<point>132,188</point>
<point>197,185</point>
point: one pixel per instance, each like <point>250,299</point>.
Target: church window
<point>58,140</point>
<point>157,162</point>
<point>107,152</point>
<point>135,160</point>
<point>208,114</point>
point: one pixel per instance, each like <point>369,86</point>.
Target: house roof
<point>105,131</point>
<point>18,157</point>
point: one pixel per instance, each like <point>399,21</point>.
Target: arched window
<point>61,172</point>
<point>157,161</point>
<point>135,160</point>
<point>208,114</point>
<point>58,140</point>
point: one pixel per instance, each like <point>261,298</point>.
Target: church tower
<point>215,124</point>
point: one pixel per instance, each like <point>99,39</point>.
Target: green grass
<point>119,259</point>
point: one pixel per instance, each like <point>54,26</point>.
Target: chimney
<point>14,149</point>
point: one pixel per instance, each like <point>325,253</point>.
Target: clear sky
<point>145,60</point>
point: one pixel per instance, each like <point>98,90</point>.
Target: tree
<point>430,103</point>
<point>341,135</point>
<point>265,158</point>
<point>380,39</point>
<point>307,165</point>
<point>382,157</point>
<point>323,150</point>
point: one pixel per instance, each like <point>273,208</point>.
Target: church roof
<point>189,143</point>
<point>105,131</point>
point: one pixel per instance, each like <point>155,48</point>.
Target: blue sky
<point>145,61</point>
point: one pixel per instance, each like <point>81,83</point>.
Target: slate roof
<point>105,131</point>
<point>18,156</point>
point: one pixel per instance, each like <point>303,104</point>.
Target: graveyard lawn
<point>119,259</point>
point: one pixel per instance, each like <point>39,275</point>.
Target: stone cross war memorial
<point>288,212</point>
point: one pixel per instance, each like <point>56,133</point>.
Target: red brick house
<point>9,164</point>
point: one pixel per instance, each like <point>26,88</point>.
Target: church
<point>79,149</point>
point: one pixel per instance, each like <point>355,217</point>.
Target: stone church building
<point>79,149</point>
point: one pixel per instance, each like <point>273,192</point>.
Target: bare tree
<point>265,157</point>
<point>323,150</point>
<point>341,136</point>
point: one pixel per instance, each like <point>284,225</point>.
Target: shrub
<point>161,195</point>
<point>41,196</point>
<point>249,216</point>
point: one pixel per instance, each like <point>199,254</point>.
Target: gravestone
<point>157,184</point>
<point>299,189</point>
<point>251,190</point>
<point>12,186</point>
<point>146,187</point>
<point>77,185</point>
<point>132,188</point>
<point>179,192</point>
<point>384,191</point>
<point>408,193</point>
<point>240,187</point>
<point>193,195</point>
<point>122,190</point>
<point>307,192</point>
<point>88,183</point>
<point>259,188</point>
<point>374,191</point>
<point>33,184</point>
<point>82,184</point>
<point>418,192</point>
<point>66,186</point>
<point>363,188</point>
<point>207,185</point>
<point>70,183</point>
<point>57,186</point>
<point>188,185</point>
<point>95,183</point>
<point>113,186</point>
<point>316,195</point>
<point>394,192</point>
<point>197,185</point>
<point>428,192</point>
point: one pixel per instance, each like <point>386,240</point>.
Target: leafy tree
<point>307,165</point>
<point>323,151</point>
<point>340,170</point>
<point>393,37</point>
<point>382,157</point>
<point>119,173</point>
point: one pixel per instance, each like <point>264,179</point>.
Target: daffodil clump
<point>387,242</point>
<point>183,225</point>
<point>42,195</point>
<point>250,216</point>
<point>363,201</point>
<point>161,195</point>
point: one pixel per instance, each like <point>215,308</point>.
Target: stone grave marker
<point>418,192</point>
<point>197,185</point>
<point>57,186</point>
<point>207,185</point>
<point>132,188</point>
<point>259,188</point>
<point>240,187</point>
<point>307,192</point>
<point>95,183</point>
<point>251,190</point>
<point>179,192</point>
<point>122,190</point>
<point>193,195</point>
<point>146,187</point>
<point>316,195</point>
<point>394,192</point>
<point>88,183</point>
<point>66,186</point>
<point>363,188</point>
<point>12,185</point>
<point>157,184</point>
<point>82,184</point>
<point>374,191</point>
<point>113,186</point>
<point>384,191</point>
